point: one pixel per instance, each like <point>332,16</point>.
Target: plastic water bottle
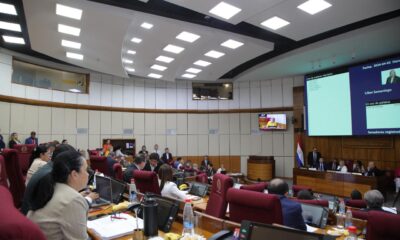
<point>348,221</point>
<point>132,192</point>
<point>188,218</point>
<point>342,207</point>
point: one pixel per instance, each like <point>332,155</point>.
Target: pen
<point>114,217</point>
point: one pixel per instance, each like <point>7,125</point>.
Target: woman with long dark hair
<point>39,158</point>
<point>59,209</point>
<point>167,186</point>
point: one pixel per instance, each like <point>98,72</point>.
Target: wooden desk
<point>333,183</point>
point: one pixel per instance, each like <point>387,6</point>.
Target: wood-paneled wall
<point>231,163</point>
<point>383,150</point>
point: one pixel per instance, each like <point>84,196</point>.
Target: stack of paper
<point>110,228</point>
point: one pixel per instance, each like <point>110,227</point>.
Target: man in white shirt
<point>156,150</point>
<point>342,168</point>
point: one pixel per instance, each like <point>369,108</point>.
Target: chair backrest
<point>357,203</point>
<point>258,187</point>
<point>202,177</point>
<point>146,181</point>
<point>322,203</point>
<point>14,174</point>
<point>382,225</point>
<point>298,188</point>
<point>24,153</point>
<point>349,165</point>
<point>254,206</point>
<point>93,153</point>
<point>397,173</point>
<point>360,214</point>
<point>100,164</point>
<point>3,172</point>
<point>14,225</point>
<point>217,204</point>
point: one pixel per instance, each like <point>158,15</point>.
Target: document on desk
<point>311,229</point>
<point>111,227</point>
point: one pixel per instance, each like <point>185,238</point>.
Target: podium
<point>260,168</point>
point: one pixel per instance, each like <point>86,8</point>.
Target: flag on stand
<point>299,154</point>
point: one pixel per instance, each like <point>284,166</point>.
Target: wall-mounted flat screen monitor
<point>272,121</point>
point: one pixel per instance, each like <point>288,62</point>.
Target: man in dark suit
<point>204,164</point>
<point>393,78</point>
<point>153,164</point>
<point>32,139</point>
<point>291,211</point>
<point>2,144</point>
<point>333,165</point>
<point>322,166</point>
<point>313,158</point>
<point>372,170</point>
<point>137,165</point>
<point>167,157</point>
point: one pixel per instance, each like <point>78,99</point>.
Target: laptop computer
<point>313,215</point>
<point>103,188</point>
<point>117,190</point>
<point>198,189</point>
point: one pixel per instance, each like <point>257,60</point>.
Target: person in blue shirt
<point>32,139</point>
<point>291,210</point>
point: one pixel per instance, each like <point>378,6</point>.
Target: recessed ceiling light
<point>154,75</point>
<point>131,52</point>
<point>128,61</point>
<point>74,90</point>
<point>202,63</point>
<point>165,59</point>
<point>129,69</point>
<point>11,39</point>
<point>10,26</point>
<point>187,36</point>
<point>158,67</point>
<point>70,44</point>
<point>214,54</point>
<point>173,49</point>
<point>68,12</point>
<point>275,23</point>
<point>69,30</point>
<point>314,6</point>
<point>146,25</point>
<point>136,40</point>
<point>7,9</point>
<point>225,10</point>
<point>188,75</point>
<point>231,44</point>
<point>74,55</point>
<point>193,70</point>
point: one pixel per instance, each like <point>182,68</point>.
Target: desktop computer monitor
<point>314,215</point>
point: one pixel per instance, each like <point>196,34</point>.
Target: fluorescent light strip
<point>68,12</point>
<point>70,44</point>
<point>188,75</point>
<point>147,25</point>
<point>128,61</point>
<point>275,23</point>
<point>232,44</point>
<point>193,70</point>
<point>201,63</point>
<point>7,9</point>
<point>11,39</point>
<point>131,52</point>
<point>74,90</point>
<point>74,55</point>
<point>173,49</point>
<point>154,75</point>
<point>136,40</point>
<point>187,37</point>
<point>158,67</point>
<point>69,30</point>
<point>225,10</point>
<point>10,26</point>
<point>129,69</point>
<point>214,54</point>
<point>165,59</point>
<point>314,6</point>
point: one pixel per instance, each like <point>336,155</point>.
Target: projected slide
<point>379,115</point>
<point>329,105</point>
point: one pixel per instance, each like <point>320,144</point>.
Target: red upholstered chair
<point>358,203</point>
<point>100,164</point>
<point>202,177</point>
<point>360,214</point>
<point>349,165</point>
<point>146,181</point>
<point>254,206</point>
<point>322,203</point>
<point>14,174</point>
<point>383,225</point>
<point>216,205</point>
<point>258,187</point>
<point>93,153</point>
<point>24,153</point>
<point>298,188</point>
<point>14,225</point>
<point>3,173</point>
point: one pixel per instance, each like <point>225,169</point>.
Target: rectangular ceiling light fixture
<point>314,6</point>
<point>70,44</point>
<point>154,75</point>
<point>158,67</point>
<point>232,44</point>
<point>188,75</point>
<point>74,90</point>
<point>10,26</point>
<point>74,55</point>
<point>225,10</point>
<point>130,69</point>
<point>7,9</point>
<point>11,39</point>
<point>68,12</point>
<point>173,49</point>
<point>214,54</point>
<point>128,61</point>
<point>136,40</point>
<point>187,36</point>
<point>131,52</point>
<point>193,70</point>
<point>201,63</point>
<point>147,25</point>
<point>275,23</point>
<point>69,30</point>
<point>165,59</point>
